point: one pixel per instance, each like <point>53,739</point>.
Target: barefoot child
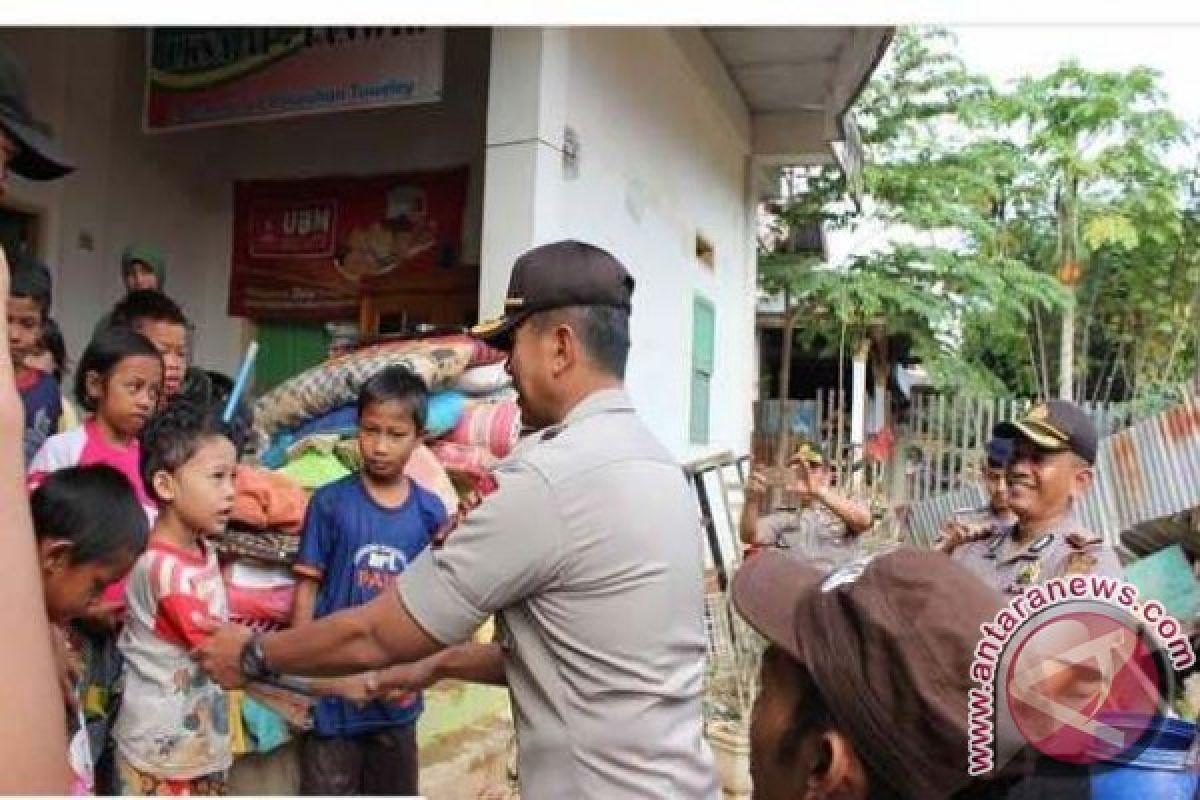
<point>89,528</point>
<point>360,533</point>
<point>172,729</point>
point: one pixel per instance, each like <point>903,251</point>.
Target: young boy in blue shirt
<point>360,533</point>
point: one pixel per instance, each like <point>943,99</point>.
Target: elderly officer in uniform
<point>589,552</point>
<point>825,528</point>
<point>1054,451</point>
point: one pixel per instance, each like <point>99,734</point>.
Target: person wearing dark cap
<point>865,682</point>
<point>25,147</point>
<point>587,552</point>
<point>1049,473</point>
<point>966,528</point>
<point>825,527</point>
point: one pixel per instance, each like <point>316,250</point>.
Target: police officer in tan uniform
<point>588,552</point>
<point>966,526</point>
<point>825,528</point>
<point>1054,453</point>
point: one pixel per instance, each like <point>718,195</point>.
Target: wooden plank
<point>819,419</point>
<point>942,436</point>
<point>841,457</point>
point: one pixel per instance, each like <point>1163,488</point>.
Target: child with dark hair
<point>89,528</point>
<point>158,318</point>
<point>172,729</point>
<point>360,533</point>
<point>51,352</point>
<point>118,381</point>
<point>212,389</point>
<point>29,297</point>
<point>51,357</point>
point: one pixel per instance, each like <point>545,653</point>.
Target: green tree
<point>952,193</point>
<point>1095,146</point>
<point>1051,197</point>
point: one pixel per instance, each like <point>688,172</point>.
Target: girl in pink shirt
<point>118,381</point>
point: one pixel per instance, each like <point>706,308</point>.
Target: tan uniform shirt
<point>1066,548</point>
<point>814,534</point>
<point>591,553</point>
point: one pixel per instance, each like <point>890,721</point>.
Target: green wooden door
<point>286,349</point>
<point>704,324</point>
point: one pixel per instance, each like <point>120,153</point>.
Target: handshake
<point>397,684</point>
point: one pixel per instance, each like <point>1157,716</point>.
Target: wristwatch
<point>254,662</point>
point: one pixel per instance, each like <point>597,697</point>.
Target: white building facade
<point>655,143</point>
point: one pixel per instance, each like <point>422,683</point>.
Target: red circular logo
<point>1083,687</point>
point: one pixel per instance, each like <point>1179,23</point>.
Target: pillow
<point>484,380</point>
<point>445,411</point>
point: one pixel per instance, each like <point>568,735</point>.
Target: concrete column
<point>523,173</point>
<point>858,402</point>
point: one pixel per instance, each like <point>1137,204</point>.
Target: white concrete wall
<point>664,154</point>
<point>664,151</point>
<point>176,189</point>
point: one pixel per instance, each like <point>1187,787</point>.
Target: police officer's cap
<point>1056,425</point>
<point>566,273</point>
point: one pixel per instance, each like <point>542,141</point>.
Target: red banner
<point>302,248</point>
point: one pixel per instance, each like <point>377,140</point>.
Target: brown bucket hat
<point>889,642</point>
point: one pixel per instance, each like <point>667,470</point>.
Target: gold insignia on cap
<point>808,454</point>
<point>514,302</point>
<point>1039,414</point>
<point>487,326</point>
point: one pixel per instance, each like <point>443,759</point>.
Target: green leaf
<point>1110,229</point>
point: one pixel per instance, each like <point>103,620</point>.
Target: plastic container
<point>1166,769</point>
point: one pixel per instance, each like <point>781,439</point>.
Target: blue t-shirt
<point>357,548</point>
<point>43,408</point>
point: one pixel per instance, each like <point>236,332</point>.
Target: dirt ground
<point>465,738</point>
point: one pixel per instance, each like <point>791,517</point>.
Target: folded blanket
<point>267,499</point>
<point>342,421</point>
<point>494,426</point>
<point>313,469</point>
<point>336,383</point>
<point>463,457</point>
<point>424,468</point>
